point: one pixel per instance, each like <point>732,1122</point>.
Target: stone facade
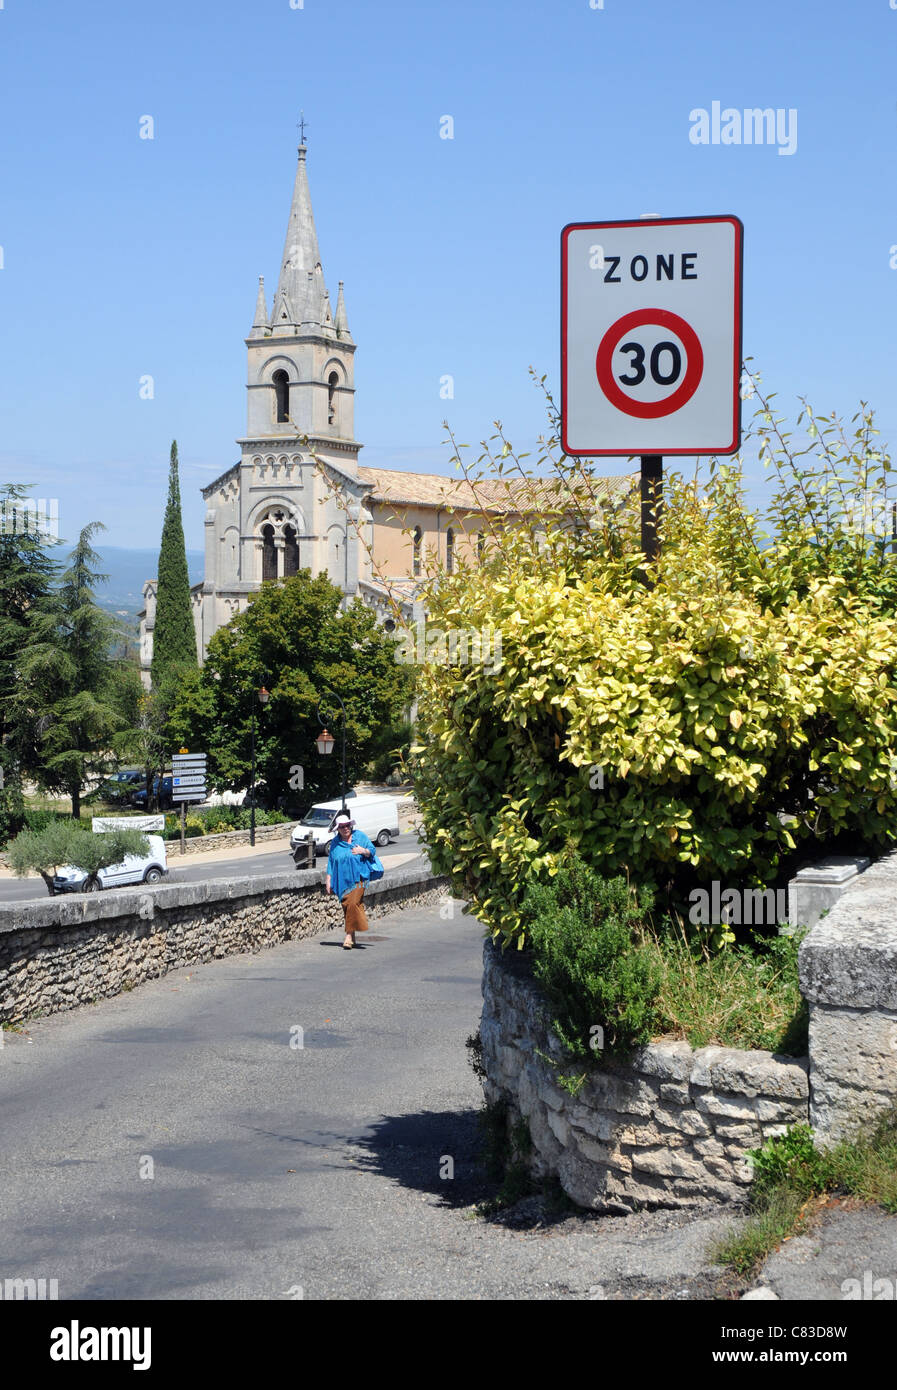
<point>848,975</point>
<point>57,954</point>
<point>668,1128</point>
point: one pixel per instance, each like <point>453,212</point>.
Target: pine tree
<point>174,640</point>
<point>74,683</point>
<point>27,627</point>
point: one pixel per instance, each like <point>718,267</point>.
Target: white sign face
<point>103,824</point>
<point>651,336</point>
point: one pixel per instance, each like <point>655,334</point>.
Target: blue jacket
<point>345,868</point>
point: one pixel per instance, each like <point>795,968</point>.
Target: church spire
<point>301,269</point>
<point>260,322</point>
<point>341,323</point>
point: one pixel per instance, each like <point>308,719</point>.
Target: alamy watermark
<point>752,126</point>
<point>737,907</point>
<point>40,1289</point>
<point>456,647</point>
<point>29,516</point>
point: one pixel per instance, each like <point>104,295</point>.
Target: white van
<point>376,816</point>
<point>137,868</point>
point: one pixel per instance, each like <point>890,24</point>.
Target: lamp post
<point>260,696</point>
<point>325,741</point>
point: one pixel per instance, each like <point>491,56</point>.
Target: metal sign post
<point>188,784</point>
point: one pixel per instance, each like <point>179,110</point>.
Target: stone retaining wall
<point>203,844</point>
<point>668,1128</point>
<point>65,951</point>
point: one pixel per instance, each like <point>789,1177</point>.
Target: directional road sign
<point>651,336</point>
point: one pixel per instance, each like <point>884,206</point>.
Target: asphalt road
<point>194,869</point>
<point>171,1144</point>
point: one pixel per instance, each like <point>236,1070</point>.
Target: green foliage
<point>788,1158</point>
<point>27,623</point>
<point>72,681</point>
<point>707,725</point>
<point>295,639</point>
<point>592,959</point>
<point>219,820</point>
<point>746,996</point>
<point>174,638</point>
<point>66,842</point>
<point>790,1173</point>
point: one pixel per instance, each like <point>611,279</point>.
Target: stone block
<point>676,1095</point>
<point>553,1098</point>
<point>771,1132</point>
<point>856,1047</point>
<point>849,959</point>
<point>666,1163</point>
<point>687,1121</point>
<point>702,1061</point>
<point>738,1134</point>
<point>785,1111</point>
<point>760,1073</point>
<point>709,1148</point>
<point>584,1183</point>
<point>606,1154</point>
<point>667,1061</point>
<point>817,888</point>
<point>593,1122</point>
<point>559,1126</point>
<point>731,1107</point>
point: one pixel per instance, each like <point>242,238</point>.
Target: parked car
<point>120,785</point>
<point>161,791</point>
<point>377,816</point>
<point>150,868</point>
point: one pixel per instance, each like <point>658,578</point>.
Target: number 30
<point>637,365</point>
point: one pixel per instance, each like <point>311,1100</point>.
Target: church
<point>276,510</point>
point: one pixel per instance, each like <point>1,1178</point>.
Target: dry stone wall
<point>670,1127</point>
<point>65,951</point>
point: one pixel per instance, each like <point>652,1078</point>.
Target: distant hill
<point>128,571</point>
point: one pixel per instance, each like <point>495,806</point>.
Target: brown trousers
<point>356,917</point>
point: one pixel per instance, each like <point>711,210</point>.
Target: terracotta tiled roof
<point>496,495</point>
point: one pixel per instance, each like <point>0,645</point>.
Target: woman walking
<point>351,862</point>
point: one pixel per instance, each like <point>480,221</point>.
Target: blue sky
<point>124,257</point>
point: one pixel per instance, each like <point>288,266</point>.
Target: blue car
<point>162,793</point>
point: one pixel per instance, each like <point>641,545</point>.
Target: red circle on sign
<point>649,410</point>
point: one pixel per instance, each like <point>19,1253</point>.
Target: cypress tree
<point>174,639</point>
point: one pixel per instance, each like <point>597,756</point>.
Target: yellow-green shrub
<point>742,704</point>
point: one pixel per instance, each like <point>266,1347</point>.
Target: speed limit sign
<point>651,336</point>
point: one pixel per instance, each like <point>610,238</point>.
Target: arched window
<point>450,551</point>
<point>481,546</point>
<point>415,551</point>
<point>281,395</point>
<point>269,553</point>
<point>290,552</point>
<point>332,384</point>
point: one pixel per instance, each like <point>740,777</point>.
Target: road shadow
<point>443,1153</point>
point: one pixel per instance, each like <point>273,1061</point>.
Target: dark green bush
<point>591,956</point>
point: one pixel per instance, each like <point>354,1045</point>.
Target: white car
<point>151,868</point>
<point>376,816</point>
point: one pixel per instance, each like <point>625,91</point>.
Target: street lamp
<point>325,741</point>
<point>262,696</point>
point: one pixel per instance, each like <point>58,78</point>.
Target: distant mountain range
<point>128,571</point>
